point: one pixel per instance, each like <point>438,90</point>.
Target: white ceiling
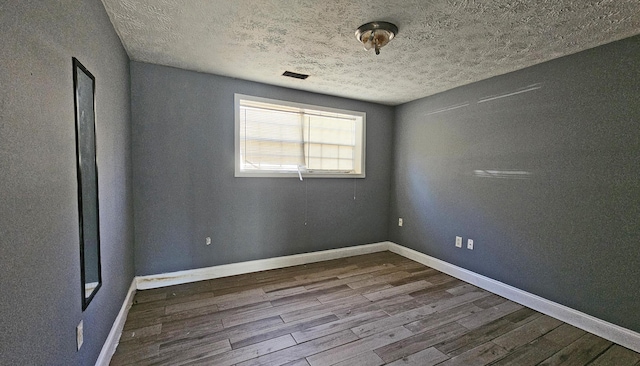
<point>441,44</point>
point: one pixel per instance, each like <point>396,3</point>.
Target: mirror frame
<point>88,203</point>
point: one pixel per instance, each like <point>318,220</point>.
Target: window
<point>283,139</point>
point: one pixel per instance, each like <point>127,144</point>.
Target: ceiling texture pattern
<point>441,44</point>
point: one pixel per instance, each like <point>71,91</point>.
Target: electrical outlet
<point>207,240</point>
<point>400,221</point>
<point>459,241</point>
<point>79,335</point>
<point>470,244</point>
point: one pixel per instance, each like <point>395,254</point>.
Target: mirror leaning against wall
<point>87,171</point>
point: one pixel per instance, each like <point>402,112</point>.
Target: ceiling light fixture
<point>376,34</point>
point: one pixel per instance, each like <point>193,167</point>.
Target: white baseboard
<point>609,331</point>
<point>109,346</point>
<point>614,333</point>
<point>201,274</point>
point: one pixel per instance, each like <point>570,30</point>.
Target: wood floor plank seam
<point>372,309</point>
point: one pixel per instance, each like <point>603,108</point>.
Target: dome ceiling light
<point>376,34</point>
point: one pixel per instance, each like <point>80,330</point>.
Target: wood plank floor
<point>369,310</point>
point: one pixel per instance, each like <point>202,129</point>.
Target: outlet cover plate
<point>470,244</point>
<point>459,241</point>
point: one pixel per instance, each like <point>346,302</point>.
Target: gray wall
<point>185,190</point>
<point>570,231</point>
<point>39,245</point>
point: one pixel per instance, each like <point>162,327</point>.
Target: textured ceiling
<point>441,44</point>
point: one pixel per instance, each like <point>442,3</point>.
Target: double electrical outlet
<point>458,238</point>
<point>459,243</point>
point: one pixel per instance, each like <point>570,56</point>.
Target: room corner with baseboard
<point>542,178</point>
<point>601,328</point>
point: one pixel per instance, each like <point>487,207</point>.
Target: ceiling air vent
<point>295,75</point>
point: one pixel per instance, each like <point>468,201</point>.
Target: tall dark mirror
<point>88,213</point>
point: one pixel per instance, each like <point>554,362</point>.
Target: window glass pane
<point>314,150</point>
<point>346,152</point>
<point>335,131</point>
<point>345,164</point>
<point>330,151</point>
<point>314,163</point>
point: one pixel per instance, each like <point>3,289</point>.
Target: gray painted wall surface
<point>39,245</point>
<point>569,231</point>
<point>185,190</point>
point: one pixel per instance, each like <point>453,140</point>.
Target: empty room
<point>313,183</point>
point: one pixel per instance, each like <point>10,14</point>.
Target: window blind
<point>286,138</point>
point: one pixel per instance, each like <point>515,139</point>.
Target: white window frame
<point>360,150</point>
